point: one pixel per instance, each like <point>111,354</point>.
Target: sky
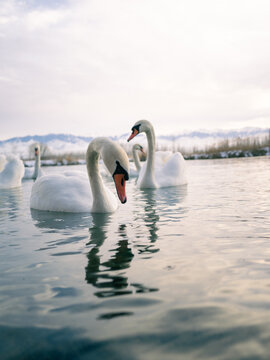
<point>95,67</point>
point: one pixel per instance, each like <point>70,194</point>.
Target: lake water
<point>175,273</point>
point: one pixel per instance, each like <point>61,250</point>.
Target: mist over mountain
<point>68,143</point>
<point>248,131</point>
<point>47,138</point>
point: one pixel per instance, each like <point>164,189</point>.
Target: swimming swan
<point>162,169</point>
<point>70,190</point>
<point>12,171</point>
<point>29,173</point>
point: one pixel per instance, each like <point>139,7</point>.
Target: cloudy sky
<point>94,67</point>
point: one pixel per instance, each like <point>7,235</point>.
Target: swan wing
<point>173,172</point>
<point>163,156</point>
<point>67,192</point>
<point>11,175</point>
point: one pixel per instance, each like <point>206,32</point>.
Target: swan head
<point>37,150</point>
<point>138,147</point>
<point>139,127</point>
<point>120,176</point>
<point>116,161</point>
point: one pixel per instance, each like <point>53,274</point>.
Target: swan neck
<point>136,159</point>
<point>148,178</point>
<point>95,179</point>
<point>37,166</point>
<point>101,202</point>
<point>150,134</point>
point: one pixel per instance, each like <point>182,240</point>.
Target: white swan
<point>70,190</point>
<point>12,171</point>
<point>162,169</point>
<point>29,173</point>
<point>134,172</point>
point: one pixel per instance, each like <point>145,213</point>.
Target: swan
<point>70,190</point>
<point>134,172</point>
<point>29,173</point>
<point>12,171</point>
<point>162,169</point>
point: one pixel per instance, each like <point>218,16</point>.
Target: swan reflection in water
<point>153,207</point>
<point>110,277</point>
<point>107,276</point>
<point>150,217</point>
<point>160,207</point>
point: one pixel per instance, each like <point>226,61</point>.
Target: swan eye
<point>135,131</point>
<point>120,170</point>
<point>136,127</point>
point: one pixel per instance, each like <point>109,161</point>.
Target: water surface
<point>176,273</point>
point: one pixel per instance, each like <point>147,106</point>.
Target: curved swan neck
<point>150,134</point>
<point>101,202</point>
<point>92,163</point>
<point>148,178</point>
<point>136,159</point>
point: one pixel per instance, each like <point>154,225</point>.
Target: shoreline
<point>200,156</point>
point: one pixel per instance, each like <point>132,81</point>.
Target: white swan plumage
<point>29,173</point>
<point>162,169</point>
<point>11,171</point>
<point>70,190</point>
<point>135,170</point>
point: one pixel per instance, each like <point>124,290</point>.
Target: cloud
<point>93,68</point>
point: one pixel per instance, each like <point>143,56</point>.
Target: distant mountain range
<point>47,138</point>
<point>67,143</point>
<point>201,134</point>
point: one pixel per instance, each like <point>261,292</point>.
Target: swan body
<point>162,169</point>
<point>70,190</point>
<point>29,173</point>
<point>12,171</point>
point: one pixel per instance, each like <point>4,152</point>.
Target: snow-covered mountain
<point>67,143</point>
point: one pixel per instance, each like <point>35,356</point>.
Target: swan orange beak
<point>134,133</point>
<point>120,184</point>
